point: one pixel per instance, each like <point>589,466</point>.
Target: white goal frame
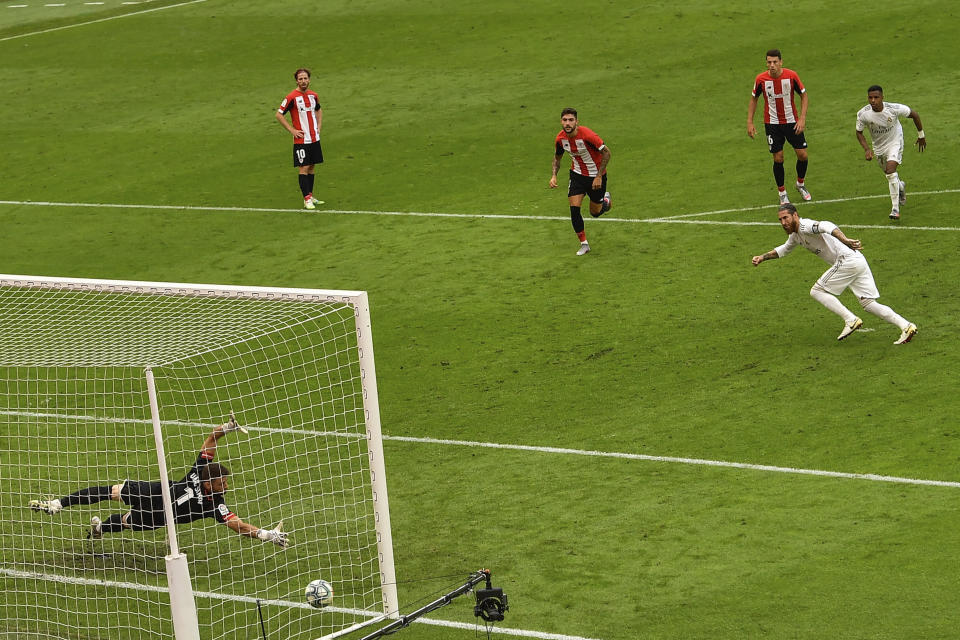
<point>181,595</point>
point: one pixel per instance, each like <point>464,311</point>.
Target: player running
<point>588,172</point>
<point>883,121</point>
<point>197,495</point>
<point>848,269</point>
<point>781,121</point>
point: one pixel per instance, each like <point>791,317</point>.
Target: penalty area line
<point>378,617</point>
<point>83,24</point>
<point>522,447</point>
<point>688,218</point>
<point>677,460</point>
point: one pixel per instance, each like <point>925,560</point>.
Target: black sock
<point>576,219</point>
<point>310,177</point>
<point>778,173</point>
<point>90,495</point>
<point>305,182</point>
<point>801,169</point>
<point>113,524</point>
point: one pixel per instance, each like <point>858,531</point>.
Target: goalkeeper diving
<point>198,495</point>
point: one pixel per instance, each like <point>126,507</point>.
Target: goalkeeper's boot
<point>584,248</point>
<point>47,506</point>
<point>903,192</point>
<point>907,334</point>
<point>803,192</point>
<point>850,327</point>
<point>96,528</point>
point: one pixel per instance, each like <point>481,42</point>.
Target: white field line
<point>82,24</point>
<point>686,218</point>
<point>533,448</point>
<point>90,582</point>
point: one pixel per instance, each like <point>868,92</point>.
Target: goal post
<point>105,383</point>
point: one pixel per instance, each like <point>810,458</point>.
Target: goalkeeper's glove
<point>233,425</point>
<point>276,536</point>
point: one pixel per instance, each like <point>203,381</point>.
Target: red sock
<point>582,235</point>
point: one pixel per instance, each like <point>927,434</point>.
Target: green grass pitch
<point>663,341</point>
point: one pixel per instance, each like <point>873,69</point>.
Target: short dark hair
<point>301,70</point>
<point>875,87</point>
<point>569,110</point>
<point>774,53</point>
<point>788,206</point>
<point>212,471</point>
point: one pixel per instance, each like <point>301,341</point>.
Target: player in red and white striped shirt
<point>588,172</point>
<point>307,116</point>
<point>781,120</point>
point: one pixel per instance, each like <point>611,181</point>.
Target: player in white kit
<point>848,269</point>
<point>883,121</point>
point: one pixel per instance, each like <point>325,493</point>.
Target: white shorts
<point>892,152</point>
<point>850,272</point>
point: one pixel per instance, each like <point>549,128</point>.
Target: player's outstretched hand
<point>921,144</point>
<point>757,260</point>
<point>276,535</point>
<point>233,425</point>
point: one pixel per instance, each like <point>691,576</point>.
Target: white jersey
<point>815,236</point>
<point>884,125</point>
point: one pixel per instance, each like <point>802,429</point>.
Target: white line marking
<point>814,202</point>
<point>82,24</point>
<point>681,219</point>
<point>694,461</point>
<point>521,447</point>
<point>282,603</point>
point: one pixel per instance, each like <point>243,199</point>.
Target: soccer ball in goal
<point>108,388</point>
<point>319,593</point>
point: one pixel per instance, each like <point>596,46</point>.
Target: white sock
<point>884,312</point>
<point>832,303</point>
<point>893,181</point>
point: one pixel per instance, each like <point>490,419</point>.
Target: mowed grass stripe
<point>872,477</point>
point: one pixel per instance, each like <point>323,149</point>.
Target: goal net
<point>77,360</point>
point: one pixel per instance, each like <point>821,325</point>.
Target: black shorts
<point>777,133</point>
<point>305,155</point>
<point>581,184</point>
<point>146,504</point>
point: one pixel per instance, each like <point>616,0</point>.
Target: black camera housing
<point>491,604</point>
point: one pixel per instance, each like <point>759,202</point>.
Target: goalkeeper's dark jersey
<point>189,501</point>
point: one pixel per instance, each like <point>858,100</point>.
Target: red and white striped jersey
<point>584,148</point>
<point>303,107</point>
<point>778,93</point>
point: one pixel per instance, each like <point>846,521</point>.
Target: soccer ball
<point>319,593</point>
